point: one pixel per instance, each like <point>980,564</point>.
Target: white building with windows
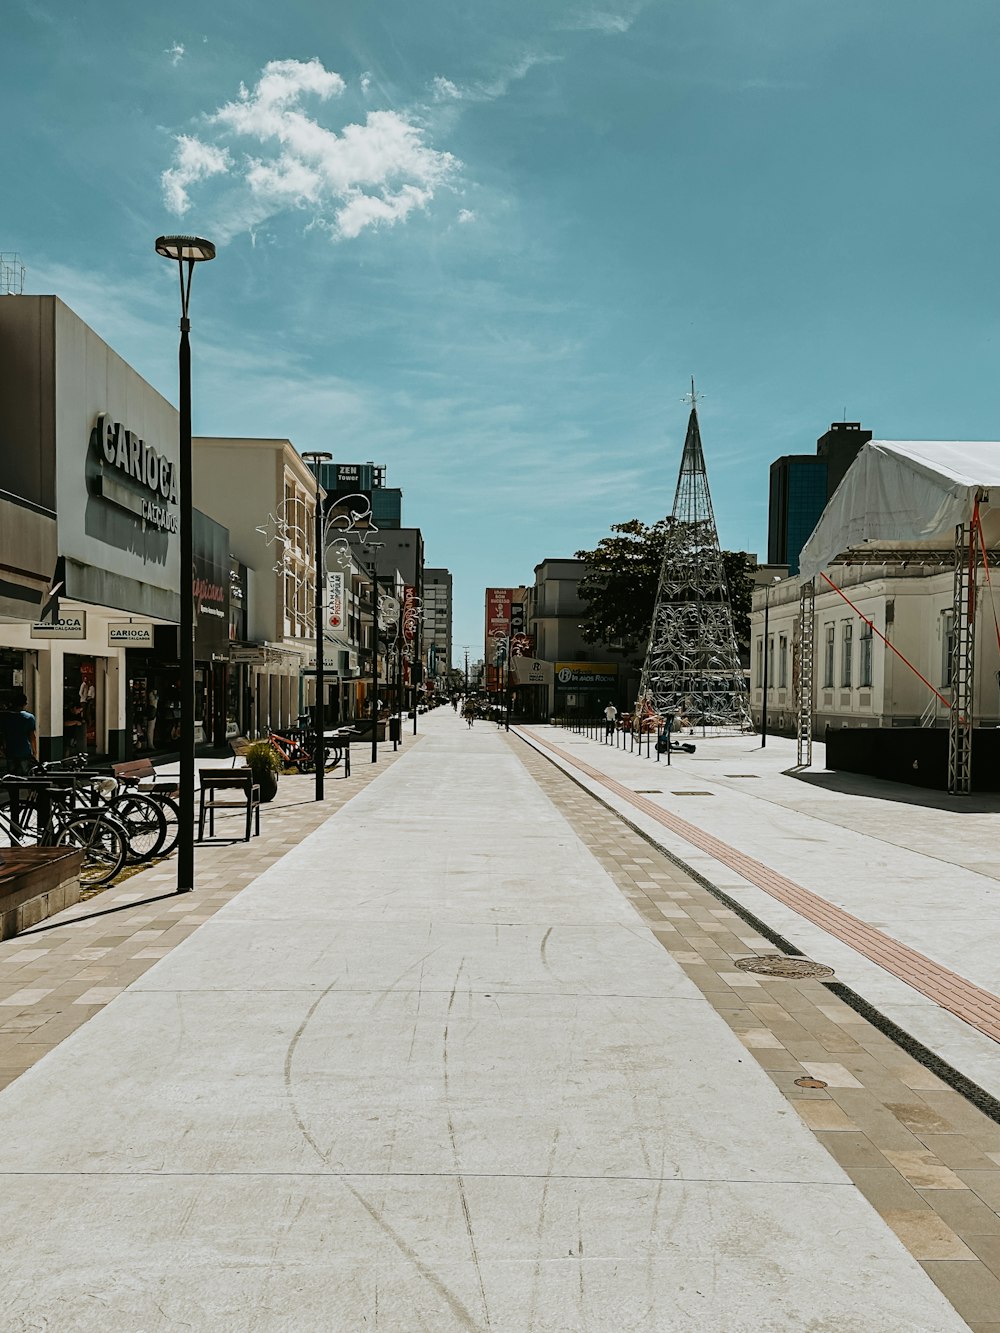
<point>859,680</point>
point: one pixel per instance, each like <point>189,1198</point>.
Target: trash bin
<point>395,729</point>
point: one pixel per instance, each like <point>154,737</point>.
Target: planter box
<point>35,883</point>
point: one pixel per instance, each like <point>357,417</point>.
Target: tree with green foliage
<point>623,575</point>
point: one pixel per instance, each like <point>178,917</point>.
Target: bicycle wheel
<point>144,822</point>
<point>28,829</point>
<point>104,844</point>
<point>172,816</point>
<point>303,760</point>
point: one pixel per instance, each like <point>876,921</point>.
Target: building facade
<point>89,543</point>
<point>266,495</point>
<point>859,682</point>
<point>437,624</point>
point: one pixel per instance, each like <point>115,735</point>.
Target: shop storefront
<point>584,688</point>
<point>90,449</point>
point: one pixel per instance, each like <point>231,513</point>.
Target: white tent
<point>908,493</point>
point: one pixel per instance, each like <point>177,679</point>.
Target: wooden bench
<point>141,773</point>
<point>134,771</point>
<point>222,789</point>
<point>238,745</point>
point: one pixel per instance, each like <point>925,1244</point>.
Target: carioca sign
<point>139,462</point>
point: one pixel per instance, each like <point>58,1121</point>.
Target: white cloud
<point>176,53</point>
<point>366,82</point>
<point>609,23</point>
<point>606,21</point>
<point>367,210</point>
<point>193,161</point>
<point>466,215</point>
<point>444,90</point>
<point>364,175</point>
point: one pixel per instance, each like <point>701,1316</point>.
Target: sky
<point>489,244</point>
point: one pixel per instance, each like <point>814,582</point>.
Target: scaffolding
<point>807,671</point>
<point>692,666</point>
<point>11,274</point>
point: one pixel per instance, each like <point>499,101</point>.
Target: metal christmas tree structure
<point>692,665</point>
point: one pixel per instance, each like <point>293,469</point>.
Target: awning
<point>906,494</point>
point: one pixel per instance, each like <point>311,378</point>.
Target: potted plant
<point>265,763</point>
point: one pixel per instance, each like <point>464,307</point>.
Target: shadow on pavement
<point>857,784</point>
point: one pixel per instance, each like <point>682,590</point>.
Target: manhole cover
<point>692,793</point>
<point>809,1083</point>
<point>649,791</point>
<point>755,776</point>
<point>781,965</point>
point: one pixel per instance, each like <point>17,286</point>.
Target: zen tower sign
<point>134,475</point>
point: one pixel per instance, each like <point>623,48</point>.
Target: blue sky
<point>488,244</point>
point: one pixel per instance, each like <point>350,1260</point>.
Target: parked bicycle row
<point>98,812</point>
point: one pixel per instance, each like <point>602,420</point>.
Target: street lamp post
<point>314,458</point>
<point>186,251</point>
<point>767,608</point>
<point>418,668</point>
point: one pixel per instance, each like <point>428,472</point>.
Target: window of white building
<point>760,663</point>
<point>828,656</point>
<point>865,666</point>
<point>782,662</point>
<point>846,654</point>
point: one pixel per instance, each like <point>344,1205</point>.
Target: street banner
<point>334,610</point>
<point>498,604</point>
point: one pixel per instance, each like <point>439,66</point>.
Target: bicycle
<point>300,749</point>
<point>143,818</point>
<point>103,842</point>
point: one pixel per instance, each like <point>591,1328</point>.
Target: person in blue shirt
<point>17,737</point>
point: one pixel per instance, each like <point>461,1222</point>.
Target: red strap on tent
<point>986,566</point>
<point>871,625</point>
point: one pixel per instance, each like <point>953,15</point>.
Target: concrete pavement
<point>918,866</point>
<point>435,1069</point>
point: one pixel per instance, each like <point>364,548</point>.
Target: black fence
<point>649,744</point>
<point>915,755</point>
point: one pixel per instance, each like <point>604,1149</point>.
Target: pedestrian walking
<point>610,718</point>
<point>17,736</point>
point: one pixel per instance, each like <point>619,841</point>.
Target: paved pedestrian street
<point>463,1050</point>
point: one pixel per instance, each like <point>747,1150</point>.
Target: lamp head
<point>193,249</point>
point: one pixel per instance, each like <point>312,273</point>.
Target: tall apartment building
<point>801,485</point>
<point>437,621</point>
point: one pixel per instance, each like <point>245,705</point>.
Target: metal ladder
<point>807,675</point>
